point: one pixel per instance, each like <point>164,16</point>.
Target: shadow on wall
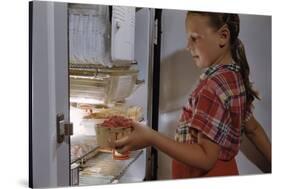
<point>178,75</point>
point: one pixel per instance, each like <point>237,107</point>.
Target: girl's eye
<point>193,39</point>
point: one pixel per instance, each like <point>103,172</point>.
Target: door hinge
<point>155,37</point>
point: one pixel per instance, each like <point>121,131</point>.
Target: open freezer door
<point>49,129</point>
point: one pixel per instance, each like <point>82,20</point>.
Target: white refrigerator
<point>53,46</point>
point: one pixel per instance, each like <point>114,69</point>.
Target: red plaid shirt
<point>217,108</point>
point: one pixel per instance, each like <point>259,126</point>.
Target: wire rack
<point>103,169</point>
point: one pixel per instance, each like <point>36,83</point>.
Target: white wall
<point>255,32</point>
<point>178,76</point>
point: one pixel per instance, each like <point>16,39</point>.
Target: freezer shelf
<point>82,145</point>
<point>102,169</point>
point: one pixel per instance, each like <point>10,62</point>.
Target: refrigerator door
<point>49,158</point>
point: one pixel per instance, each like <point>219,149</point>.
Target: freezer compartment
<point>90,84</point>
<point>89,87</point>
<point>89,34</point>
<point>96,34</point>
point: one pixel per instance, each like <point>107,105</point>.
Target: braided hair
<point>217,20</point>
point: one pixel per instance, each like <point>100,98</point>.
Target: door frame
<point>49,161</point>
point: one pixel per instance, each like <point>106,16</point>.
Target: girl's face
<point>202,41</point>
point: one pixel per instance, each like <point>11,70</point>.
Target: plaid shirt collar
<point>213,68</point>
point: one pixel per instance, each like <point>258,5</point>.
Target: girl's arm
<point>258,137</point>
<point>201,155</point>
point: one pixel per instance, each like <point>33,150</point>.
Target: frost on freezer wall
<point>93,39</point>
<point>89,34</point>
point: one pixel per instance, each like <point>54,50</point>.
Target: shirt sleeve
<point>210,117</point>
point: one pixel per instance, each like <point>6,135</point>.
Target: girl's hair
<point>217,20</point>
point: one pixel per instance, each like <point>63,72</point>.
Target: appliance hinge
<point>64,128</point>
<point>155,37</point>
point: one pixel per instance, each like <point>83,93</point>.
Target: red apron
<point>221,168</point>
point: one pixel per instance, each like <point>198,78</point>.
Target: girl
<point>208,135</point>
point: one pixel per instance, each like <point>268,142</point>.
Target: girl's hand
<point>140,137</point>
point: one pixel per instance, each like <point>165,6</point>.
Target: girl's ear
<point>224,35</point>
